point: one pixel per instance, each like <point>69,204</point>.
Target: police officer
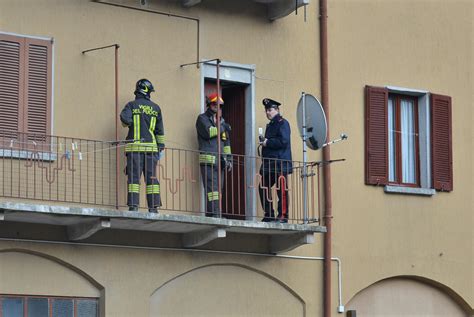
<point>276,162</point>
<point>144,120</point>
<point>206,126</point>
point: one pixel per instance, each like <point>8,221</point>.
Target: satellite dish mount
<point>312,126</point>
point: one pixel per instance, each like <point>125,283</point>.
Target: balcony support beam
<point>84,230</point>
<point>284,243</point>
<point>198,238</point>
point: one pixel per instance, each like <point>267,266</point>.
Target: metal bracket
<point>84,230</point>
<point>198,238</point>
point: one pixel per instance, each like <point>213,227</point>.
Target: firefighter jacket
<point>207,138</point>
<point>276,154</point>
<point>145,125</point>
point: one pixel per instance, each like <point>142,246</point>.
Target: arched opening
<point>407,296</point>
<point>224,290</point>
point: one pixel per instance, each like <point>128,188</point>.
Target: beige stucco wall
<point>421,45</point>
<point>238,290</point>
<point>403,297</point>
<point>36,274</point>
<point>148,282</point>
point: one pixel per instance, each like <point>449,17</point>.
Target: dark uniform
<point>207,139</point>
<point>276,165</point>
<point>145,122</point>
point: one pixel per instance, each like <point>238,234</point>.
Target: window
<point>38,306</point>
<point>25,88</point>
<point>402,140</point>
<point>408,140</point>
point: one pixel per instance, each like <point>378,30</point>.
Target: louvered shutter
<point>38,89</point>
<point>376,135</point>
<point>11,86</point>
<point>441,143</point>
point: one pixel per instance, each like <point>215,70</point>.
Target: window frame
<point>51,300</point>
<point>398,142</point>
<point>435,140</point>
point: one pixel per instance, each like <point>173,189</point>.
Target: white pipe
<point>295,257</point>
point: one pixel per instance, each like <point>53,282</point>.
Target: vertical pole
<point>305,158</point>
<point>218,116</point>
<point>116,128</point>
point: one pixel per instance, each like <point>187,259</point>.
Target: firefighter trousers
<point>138,163</point>
<point>209,177</point>
<point>268,180</point>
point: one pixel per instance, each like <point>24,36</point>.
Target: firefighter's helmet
<point>212,98</point>
<point>144,87</point>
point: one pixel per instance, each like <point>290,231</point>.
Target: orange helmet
<point>212,98</point>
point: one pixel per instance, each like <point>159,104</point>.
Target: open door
<point>233,202</point>
<point>233,111</point>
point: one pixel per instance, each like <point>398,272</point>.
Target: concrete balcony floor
<point>109,226</point>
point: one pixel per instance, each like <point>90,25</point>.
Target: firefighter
<point>206,126</point>
<point>144,120</point>
<point>276,162</point>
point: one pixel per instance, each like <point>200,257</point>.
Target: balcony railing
<point>90,172</point>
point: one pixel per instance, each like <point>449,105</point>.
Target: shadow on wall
<point>225,290</point>
<point>408,296</point>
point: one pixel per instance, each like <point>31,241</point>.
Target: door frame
<point>244,74</point>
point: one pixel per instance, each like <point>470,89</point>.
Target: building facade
<point>400,85</point>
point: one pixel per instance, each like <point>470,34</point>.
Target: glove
<point>161,154</point>
<point>225,126</point>
<point>228,166</point>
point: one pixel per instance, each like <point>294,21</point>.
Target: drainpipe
<point>326,157</point>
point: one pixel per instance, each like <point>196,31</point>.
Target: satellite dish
<point>315,120</point>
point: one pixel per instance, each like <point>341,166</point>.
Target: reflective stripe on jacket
<point>207,138</point>
<point>145,125</point>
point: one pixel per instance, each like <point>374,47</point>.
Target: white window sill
<point>409,190</point>
<point>25,154</point>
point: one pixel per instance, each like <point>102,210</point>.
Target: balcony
<point>276,9</point>
<point>70,189</point>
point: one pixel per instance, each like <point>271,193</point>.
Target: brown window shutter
<point>441,143</point>
<point>38,88</point>
<point>376,135</point>
<point>11,85</point>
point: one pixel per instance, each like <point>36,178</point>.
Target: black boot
<point>132,208</point>
<point>153,210</point>
<point>268,219</point>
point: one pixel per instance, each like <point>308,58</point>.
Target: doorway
<point>237,83</point>
<point>233,111</point>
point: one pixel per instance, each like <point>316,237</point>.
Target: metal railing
<point>87,172</point>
